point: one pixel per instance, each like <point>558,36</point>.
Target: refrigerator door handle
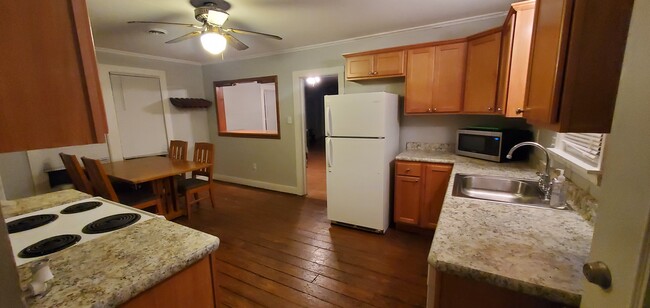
<point>329,154</point>
<point>329,121</point>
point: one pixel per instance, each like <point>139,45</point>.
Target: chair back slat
<point>178,149</point>
<point>76,173</point>
<point>99,179</point>
<point>203,153</point>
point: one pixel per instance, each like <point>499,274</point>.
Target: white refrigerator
<point>362,140</point>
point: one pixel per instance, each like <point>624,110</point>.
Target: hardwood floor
<point>279,250</point>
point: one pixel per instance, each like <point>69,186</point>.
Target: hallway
<point>317,171</point>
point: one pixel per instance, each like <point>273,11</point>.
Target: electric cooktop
<point>38,234</point>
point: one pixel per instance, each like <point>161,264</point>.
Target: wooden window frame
<point>221,110</point>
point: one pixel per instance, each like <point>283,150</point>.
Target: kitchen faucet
<point>544,182</point>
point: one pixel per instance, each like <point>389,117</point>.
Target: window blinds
<point>586,144</point>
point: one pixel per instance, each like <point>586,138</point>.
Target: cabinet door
<point>51,96</point>
<point>449,77</point>
<point>419,80</point>
<point>482,70</point>
<point>407,200</point>
<point>504,63</point>
<point>520,56</point>
<point>436,178</point>
<point>389,64</point>
<point>359,66</point>
<point>547,58</point>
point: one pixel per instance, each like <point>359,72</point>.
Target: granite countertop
<point>36,203</point>
<point>530,250</point>
<point>112,269</point>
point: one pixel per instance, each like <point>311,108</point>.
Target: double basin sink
<point>500,189</point>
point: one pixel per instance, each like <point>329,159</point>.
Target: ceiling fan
<point>214,37</point>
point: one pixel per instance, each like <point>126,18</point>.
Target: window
<point>248,107</point>
<point>581,152</point>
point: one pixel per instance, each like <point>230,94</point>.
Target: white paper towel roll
<point>42,272</point>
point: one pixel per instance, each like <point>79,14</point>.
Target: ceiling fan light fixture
<point>213,42</point>
<point>217,17</point>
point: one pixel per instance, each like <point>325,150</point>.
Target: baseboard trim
<point>258,184</point>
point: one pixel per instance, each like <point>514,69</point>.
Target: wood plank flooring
<point>279,250</point>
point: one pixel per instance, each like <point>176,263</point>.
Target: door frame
<point>113,139</point>
<point>299,116</point>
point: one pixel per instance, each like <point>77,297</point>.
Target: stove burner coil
<point>30,222</point>
<point>49,245</point>
<point>81,207</point>
<point>111,223</point>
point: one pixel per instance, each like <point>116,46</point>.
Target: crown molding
<point>339,42</point>
<point>146,56</point>
<point>315,46</point>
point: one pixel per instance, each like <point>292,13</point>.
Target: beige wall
<point>276,159</point>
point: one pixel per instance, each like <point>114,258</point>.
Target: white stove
<point>38,234</point>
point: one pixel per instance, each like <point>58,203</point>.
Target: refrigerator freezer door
<point>358,115</point>
<point>358,182</point>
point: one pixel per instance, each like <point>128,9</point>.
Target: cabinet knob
<point>489,108</point>
<point>408,169</point>
<point>499,109</point>
<point>435,109</point>
<point>429,110</point>
<point>520,111</point>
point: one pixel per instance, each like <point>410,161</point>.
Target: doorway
<point>315,88</point>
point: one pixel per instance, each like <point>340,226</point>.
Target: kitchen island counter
<point>535,251</point>
<point>112,269</point>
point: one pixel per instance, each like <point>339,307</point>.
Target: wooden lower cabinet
<point>194,286</point>
<point>451,291</point>
<point>419,192</point>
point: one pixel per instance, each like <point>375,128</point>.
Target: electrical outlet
<point>254,166</point>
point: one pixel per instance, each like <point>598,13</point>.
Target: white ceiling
<point>300,22</point>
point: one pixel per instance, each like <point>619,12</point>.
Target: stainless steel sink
<point>499,189</point>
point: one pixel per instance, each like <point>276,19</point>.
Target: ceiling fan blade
<point>242,31</point>
<point>234,42</point>
<point>184,37</point>
<point>164,23</point>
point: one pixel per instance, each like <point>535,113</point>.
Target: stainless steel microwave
<point>492,145</point>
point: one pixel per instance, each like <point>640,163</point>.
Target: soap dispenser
<point>559,191</point>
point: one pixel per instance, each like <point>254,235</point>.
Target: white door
<point>621,232</point>
<point>356,190</point>
<point>356,115</point>
<point>140,117</point>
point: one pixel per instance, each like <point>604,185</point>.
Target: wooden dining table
<point>160,171</point>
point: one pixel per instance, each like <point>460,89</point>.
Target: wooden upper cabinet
<point>434,78</point>
<point>575,64</point>
<point>550,37</point>
<point>482,70</point>
<point>371,65</point>
<point>418,96</point>
<point>515,52</point>
<point>50,93</point>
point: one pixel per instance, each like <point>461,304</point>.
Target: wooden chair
<point>76,173</point>
<point>190,188</point>
<point>139,199</point>
<point>178,149</point>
